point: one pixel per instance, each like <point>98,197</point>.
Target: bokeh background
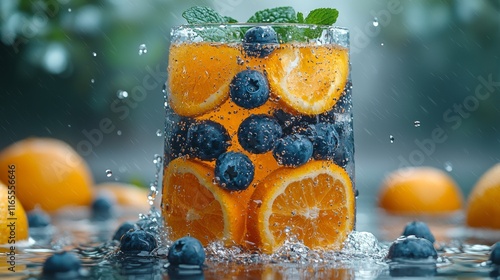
<point>426,78</point>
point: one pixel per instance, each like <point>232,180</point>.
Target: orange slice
<point>420,191</point>
<point>194,205</point>
<point>199,76</point>
<point>315,201</point>
<point>309,79</point>
<point>483,208</point>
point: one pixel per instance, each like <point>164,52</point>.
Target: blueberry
<point>234,171</point>
<point>495,254</point>
<point>293,150</point>
<point>258,133</point>
<point>137,240</point>
<point>325,140</point>
<point>290,122</point>
<point>62,264</point>
<point>38,219</point>
<point>249,89</point>
<point>207,140</point>
<point>260,41</point>
<point>124,228</point>
<point>102,208</point>
<point>419,229</point>
<point>186,250</point>
<point>176,136</point>
<point>345,149</point>
<point>411,247</point>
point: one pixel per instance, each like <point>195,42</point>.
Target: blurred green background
<point>425,73</point>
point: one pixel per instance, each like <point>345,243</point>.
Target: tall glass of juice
<point>259,139</point>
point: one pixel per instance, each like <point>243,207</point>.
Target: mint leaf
<point>279,14</point>
<point>322,16</point>
<point>300,17</point>
<point>198,14</point>
<point>230,19</point>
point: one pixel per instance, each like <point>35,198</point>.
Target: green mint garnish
<point>321,16</point>
<point>279,14</point>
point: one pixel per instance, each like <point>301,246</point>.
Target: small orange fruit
<point>420,190</point>
<point>13,220</point>
<point>315,201</point>
<point>309,79</point>
<point>125,194</point>
<point>199,76</point>
<point>193,204</point>
<point>49,174</point>
<point>483,208</point>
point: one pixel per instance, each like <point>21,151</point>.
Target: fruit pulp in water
<point>259,149</point>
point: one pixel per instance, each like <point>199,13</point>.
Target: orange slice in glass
<point>199,75</point>
<point>315,202</point>
<point>193,204</point>
<point>309,79</point>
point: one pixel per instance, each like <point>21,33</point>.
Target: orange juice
<point>259,140</point>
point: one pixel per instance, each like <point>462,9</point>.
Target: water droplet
<point>94,54</point>
<point>375,22</point>
<point>158,159</point>
<point>122,94</point>
<point>416,123</point>
<point>448,166</point>
<point>391,138</point>
<point>142,49</point>
<point>109,173</point>
<point>92,81</point>
<point>240,61</point>
<point>159,133</point>
<point>119,132</point>
<point>69,10</point>
<point>382,44</point>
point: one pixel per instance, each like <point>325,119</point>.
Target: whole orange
<point>13,220</point>
<point>420,190</point>
<point>49,173</point>
<point>126,195</point>
<point>483,207</point>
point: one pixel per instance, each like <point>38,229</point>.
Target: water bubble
<point>94,54</point>
<point>142,49</point>
<point>92,81</point>
<point>122,94</point>
<point>382,44</point>
<point>109,173</point>
<point>69,10</point>
<point>119,132</point>
<point>157,159</point>
<point>159,133</point>
<point>416,123</point>
<point>375,22</point>
<point>448,166</point>
<point>391,138</point>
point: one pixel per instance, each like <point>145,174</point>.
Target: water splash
<point>121,94</point>
<point>109,173</point>
<point>142,49</point>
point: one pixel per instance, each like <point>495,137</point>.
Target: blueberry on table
<point>411,247</point>
<point>207,140</point>
<point>186,250</point>
<point>234,171</point>
<point>102,208</point>
<point>136,241</point>
<point>258,133</point>
<point>293,150</point>
<point>38,219</point>
<point>260,41</point>
<point>62,264</point>
<point>249,89</point>
<point>419,229</point>
<point>124,228</point>
<point>495,254</point>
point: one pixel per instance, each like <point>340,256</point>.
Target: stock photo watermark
<point>452,118</point>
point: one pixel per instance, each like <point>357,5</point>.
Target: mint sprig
<point>321,16</point>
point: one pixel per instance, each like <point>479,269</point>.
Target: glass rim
<point>253,24</point>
